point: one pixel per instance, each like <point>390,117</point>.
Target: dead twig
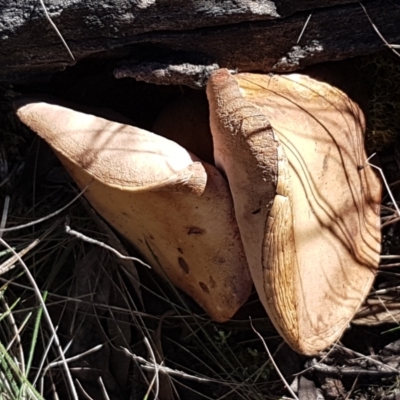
<point>56,29</point>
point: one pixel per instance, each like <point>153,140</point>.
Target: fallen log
<point>165,35</point>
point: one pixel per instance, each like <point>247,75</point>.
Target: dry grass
<point>124,333</point>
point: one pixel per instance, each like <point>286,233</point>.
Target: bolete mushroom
<point>306,201</point>
<point>176,209</point>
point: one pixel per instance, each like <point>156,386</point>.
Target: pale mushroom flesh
<point>175,209</point>
<point>313,249</point>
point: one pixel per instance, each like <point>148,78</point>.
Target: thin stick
<point>156,371</point>
<point>83,390</point>
<point>304,28</point>
<point>273,362</point>
<point>384,367</point>
<point>87,239</point>
<point>390,222</point>
<point>103,388</point>
<point>386,309</point>
<point>77,357</point>
<point>389,265</point>
<point>150,367</point>
<point>391,47</point>
<point>385,291</point>
<point>57,31</point>
<point>17,336</point>
<point>10,263</point>
<point>44,356</point>
<point>385,182</point>
<point>38,221</point>
<point>5,214</point>
<point>151,384</point>
<point>389,257</point>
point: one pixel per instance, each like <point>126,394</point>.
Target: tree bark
<point>181,41</point>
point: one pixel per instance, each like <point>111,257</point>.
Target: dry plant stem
<point>101,244</point>
<point>83,390</point>
<point>379,363</point>
<point>10,263</point>
<point>261,368</point>
<point>151,384</point>
<point>389,265</point>
<point>5,214</point>
<point>47,315</point>
<point>156,369</point>
<point>234,390</point>
<point>385,291</point>
<point>205,348</point>
<point>195,392</point>
<point>387,310</point>
<point>385,182</point>
<point>51,215</point>
<point>352,388</point>
<point>67,346</point>
<point>17,337</point>
<point>351,371</point>
<point>103,389</point>
<point>17,334</point>
<point>213,356</point>
<point>74,358</point>
<point>390,222</point>
<point>47,369</point>
<point>273,362</point>
<point>80,299</point>
<point>128,266</point>
<point>390,257</point>
<point>150,366</point>
<point>5,380</point>
<point>43,360</point>
<point>7,178</point>
<point>304,28</point>
<point>56,29</point>
<point>391,47</point>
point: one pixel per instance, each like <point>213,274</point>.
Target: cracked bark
<point>180,41</point>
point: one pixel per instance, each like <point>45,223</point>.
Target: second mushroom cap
<point>312,234</point>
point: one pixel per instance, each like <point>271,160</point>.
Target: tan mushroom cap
<point>174,208</point>
<point>314,251</point>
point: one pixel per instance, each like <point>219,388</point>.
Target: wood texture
<point>166,37</point>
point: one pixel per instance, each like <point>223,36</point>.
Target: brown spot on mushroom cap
<point>183,265</point>
<point>321,239</point>
<point>195,230</point>
<point>204,287</point>
<point>148,186</point>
